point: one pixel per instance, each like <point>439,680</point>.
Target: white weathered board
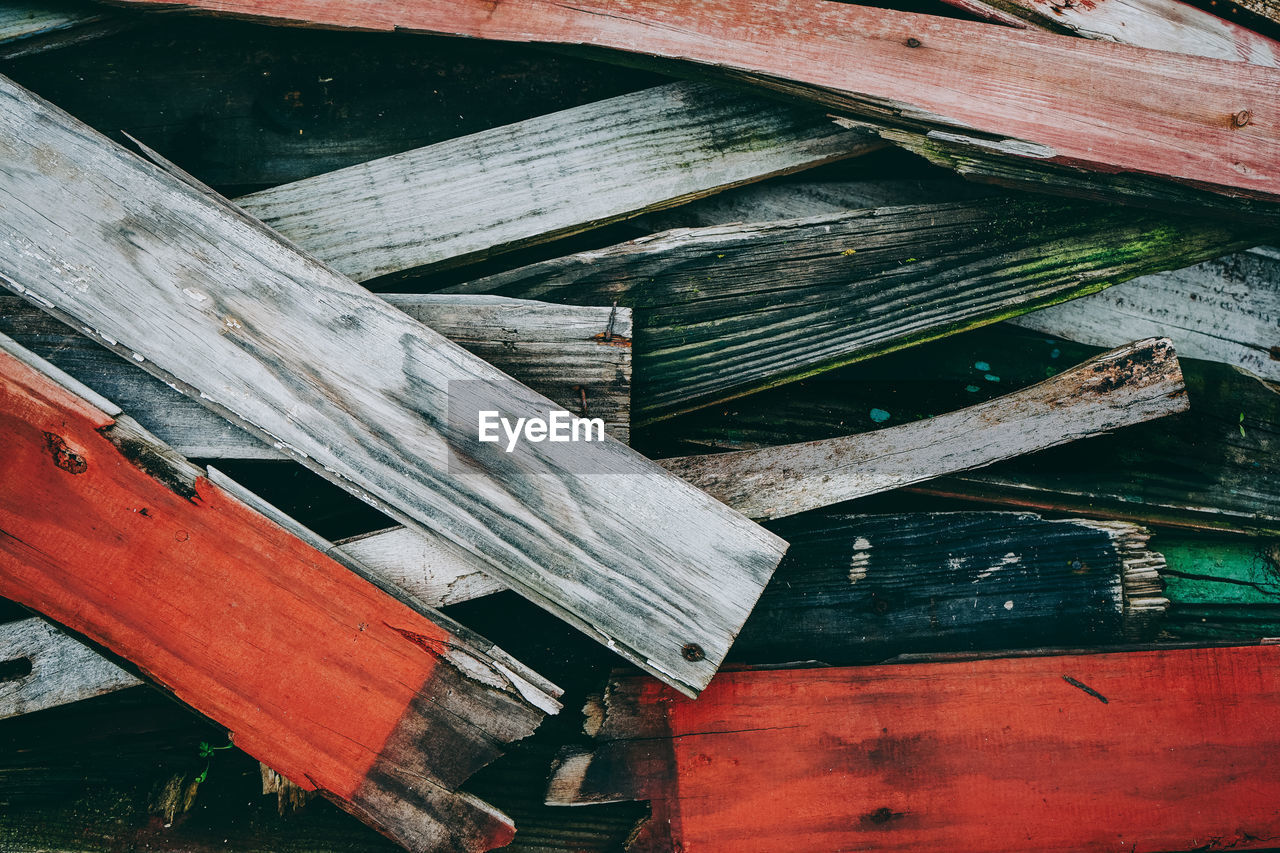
<point>205,297</point>
<point>548,177</point>
<point>62,669</point>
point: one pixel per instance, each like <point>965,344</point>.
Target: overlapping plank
<point>29,26</point>
<point>1076,752</point>
<point>578,356</point>
<point>1180,119</point>
<point>205,297</point>
<point>109,532</point>
<point>725,310</point>
<point>548,177</point>
<point>1125,386</point>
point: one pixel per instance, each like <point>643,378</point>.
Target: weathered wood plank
<point>1157,24</point>
<point>1221,588</point>
<point>103,528</point>
<point>559,351</point>
<point>205,297</point>
<point>30,26</point>
<point>725,310</point>
<point>977,82</point>
<point>43,668</point>
<point>1123,387</point>
<point>1224,310</point>
<point>548,177</point>
<point>1208,468</point>
<point>1076,752</point>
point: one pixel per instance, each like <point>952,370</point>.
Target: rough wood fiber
<point>205,297</point>
<point>61,669</point>
<point>1225,310</point>
<point>570,354</point>
<point>30,26</point>
<point>1143,112</point>
<point>1077,752</point>
<point>109,532</point>
<point>548,177</point>
<point>1123,387</point>
<point>1169,25</point>
<point>725,310</point>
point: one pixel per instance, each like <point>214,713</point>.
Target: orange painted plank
<point>1034,96</point>
<point>1154,750</point>
<point>315,671</point>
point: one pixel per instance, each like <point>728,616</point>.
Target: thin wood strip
<point>122,573</point>
<point>31,26</point>
<point>987,84</point>
<point>1125,386</point>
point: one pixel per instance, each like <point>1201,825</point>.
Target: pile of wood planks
<point>785,425</point>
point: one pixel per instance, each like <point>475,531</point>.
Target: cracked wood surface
<point>1072,752</point>
<point>986,85</point>
<point>560,351</point>
<point>205,297</point>
<point>1123,387</point>
<point>724,310</point>
<point>109,532</point>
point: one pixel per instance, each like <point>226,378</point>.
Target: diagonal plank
<point>1178,118</point>
<point>383,708</point>
<point>30,26</point>
<point>205,297</point>
<point>1125,386</point>
<point>548,177</point>
<point>1047,753</point>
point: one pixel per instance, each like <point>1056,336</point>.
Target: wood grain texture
<point>548,177</point>
<point>1221,588</point>
<point>62,669</point>
<point>978,82</point>
<point>109,532</point>
<point>1170,25</point>
<point>205,297</point>
<point>1213,467</point>
<point>557,350</point>
<point>1123,387</point>
<point>725,310</point>
<point>1077,752</point>
<point>1225,310</point>
<point>31,26</point>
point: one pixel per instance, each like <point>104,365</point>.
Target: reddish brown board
<point>315,671</point>
<point>1155,750</point>
<point>1030,96</point>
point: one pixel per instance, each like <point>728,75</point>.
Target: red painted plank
<point>326,678</point>
<point>1103,107</point>
<point>1158,750</point>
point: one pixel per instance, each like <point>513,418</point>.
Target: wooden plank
<point>108,531</point>
<point>983,85</point>
<point>1123,387</point>
<point>1266,12</point>
<point>1224,310</point>
<point>41,667</point>
<point>725,310</point>
<point>560,351</point>
<point>204,297</point>
<point>486,193</point>
<point>31,26</point>
<point>1199,470</point>
<point>1077,752</point>
<point>1170,25</point>
<point>1221,588</point>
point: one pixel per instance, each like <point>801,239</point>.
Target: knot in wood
<point>692,652</point>
<point>913,42</point>
<point>64,457</point>
<point>1242,118</point>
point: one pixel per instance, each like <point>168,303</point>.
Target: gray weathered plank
<point>29,26</point>
<point>548,177</point>
<point>1225,310</point>
<point>559,351</point>
<point>205,297</point>
<point>62,669</point>
<point>1125,386</point>
<point>726,310</point>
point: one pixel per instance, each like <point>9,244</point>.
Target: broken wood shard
<point>726,310</point>
<point>948,755</point>
<point>204,297</point>
<point>982,85</point>
<point>548,177</point>
<point>109,532</point>
<point>1123,387</point>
